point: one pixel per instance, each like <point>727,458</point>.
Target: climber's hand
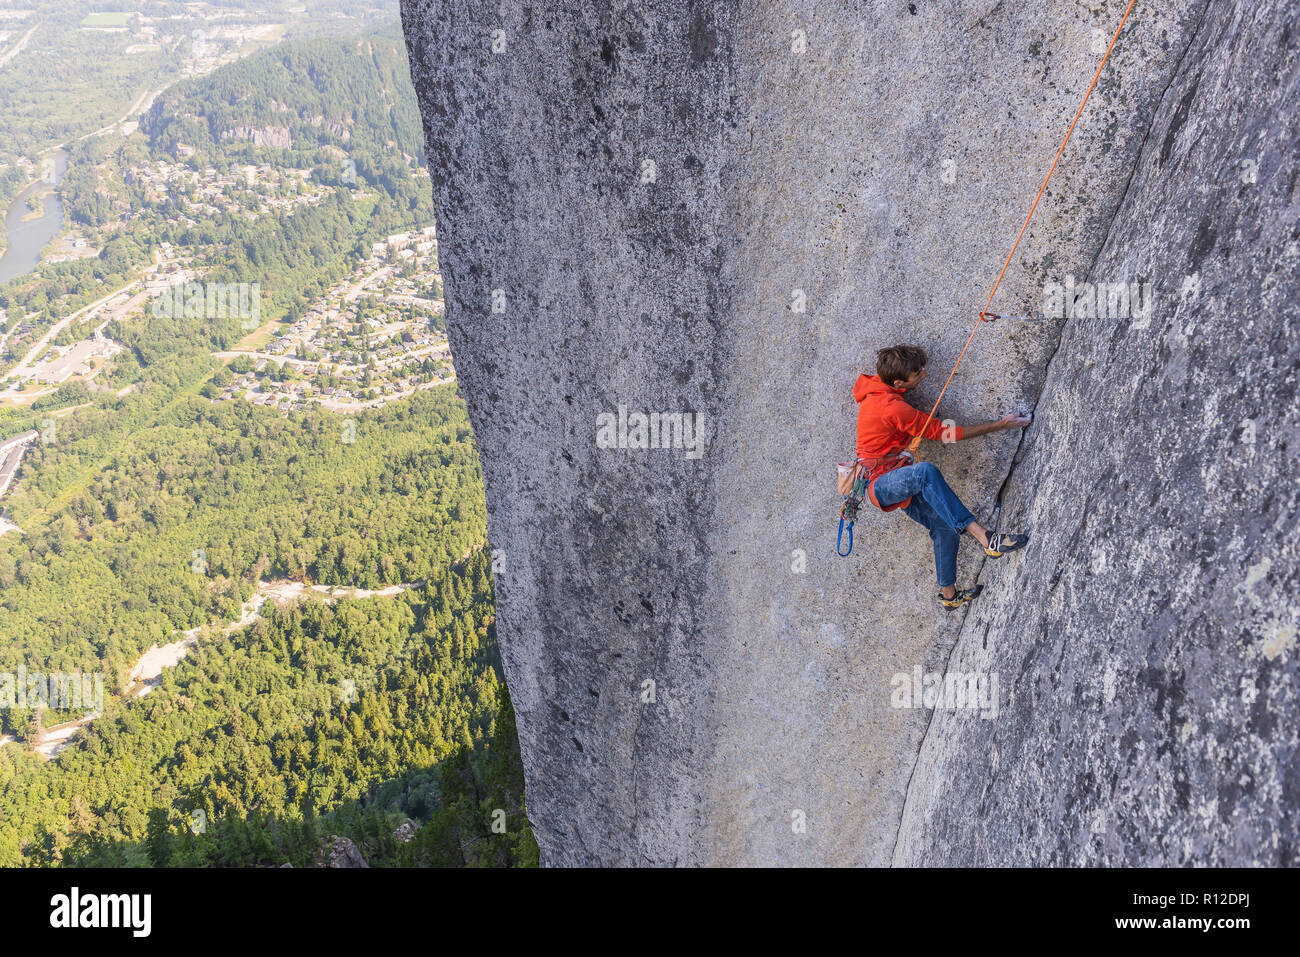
<point>1013,421</point>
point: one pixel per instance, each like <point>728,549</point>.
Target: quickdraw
<point>848,515</point>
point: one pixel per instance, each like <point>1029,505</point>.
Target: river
<point>27,239</point>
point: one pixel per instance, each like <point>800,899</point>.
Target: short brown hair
<point>900,363</point>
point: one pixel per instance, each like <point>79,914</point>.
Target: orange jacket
<point>886,424</point>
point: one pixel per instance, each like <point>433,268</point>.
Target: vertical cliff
<point>722,210</point>
<point>1147,646</point>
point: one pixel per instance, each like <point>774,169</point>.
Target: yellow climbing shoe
<point>1002,543</point>
<point>960,596</point>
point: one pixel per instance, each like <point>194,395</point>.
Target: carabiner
<point>841,536</point>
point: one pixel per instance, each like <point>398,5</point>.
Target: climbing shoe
<point>1002,543</point>
<point>960,596</point>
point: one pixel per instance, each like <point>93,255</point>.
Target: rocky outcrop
<point>405,831</point>
<point>335,127</point>
<point>275,136</point>
<point>344,853</point>
<point>722,210</point>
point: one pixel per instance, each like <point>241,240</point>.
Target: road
<point>16,49</point>
<point>278,360</point>
<point>11,456</point>
<point>25,367</point>
<point>437,348</point>
<point>146,674</point>
<point>360,287</point>
<point>334,405</point>
<point>142,103</point>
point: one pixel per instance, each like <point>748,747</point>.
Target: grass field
<point>259,337</point>
<point>106,20</point>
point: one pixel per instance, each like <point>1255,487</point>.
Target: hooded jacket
<point>886,424</point>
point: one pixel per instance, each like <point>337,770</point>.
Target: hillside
<point>176,499</point>
<point>201,182</point>
<point>304,94</point>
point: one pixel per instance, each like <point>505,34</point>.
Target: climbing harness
<point>864,472</point>
<point>861,479</point>
<point>985,315</point>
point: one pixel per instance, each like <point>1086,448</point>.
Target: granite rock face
<point>1148,646</point>
<point>721,211</point>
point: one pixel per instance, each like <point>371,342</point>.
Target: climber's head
<point>903,367</point>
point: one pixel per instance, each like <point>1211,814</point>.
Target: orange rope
<point>916,442</point>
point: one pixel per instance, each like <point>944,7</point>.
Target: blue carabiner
<point>840,536</point>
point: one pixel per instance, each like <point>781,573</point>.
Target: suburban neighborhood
<point>374,337</point>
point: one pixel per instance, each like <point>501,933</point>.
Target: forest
<point>171,529</point>
<point>317,720</point>
<point>148,509</point>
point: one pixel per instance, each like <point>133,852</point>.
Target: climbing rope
<point>985,315</point>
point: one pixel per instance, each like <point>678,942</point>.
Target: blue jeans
<point>934,505</point>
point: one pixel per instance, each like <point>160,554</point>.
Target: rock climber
<point>886,424</point>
